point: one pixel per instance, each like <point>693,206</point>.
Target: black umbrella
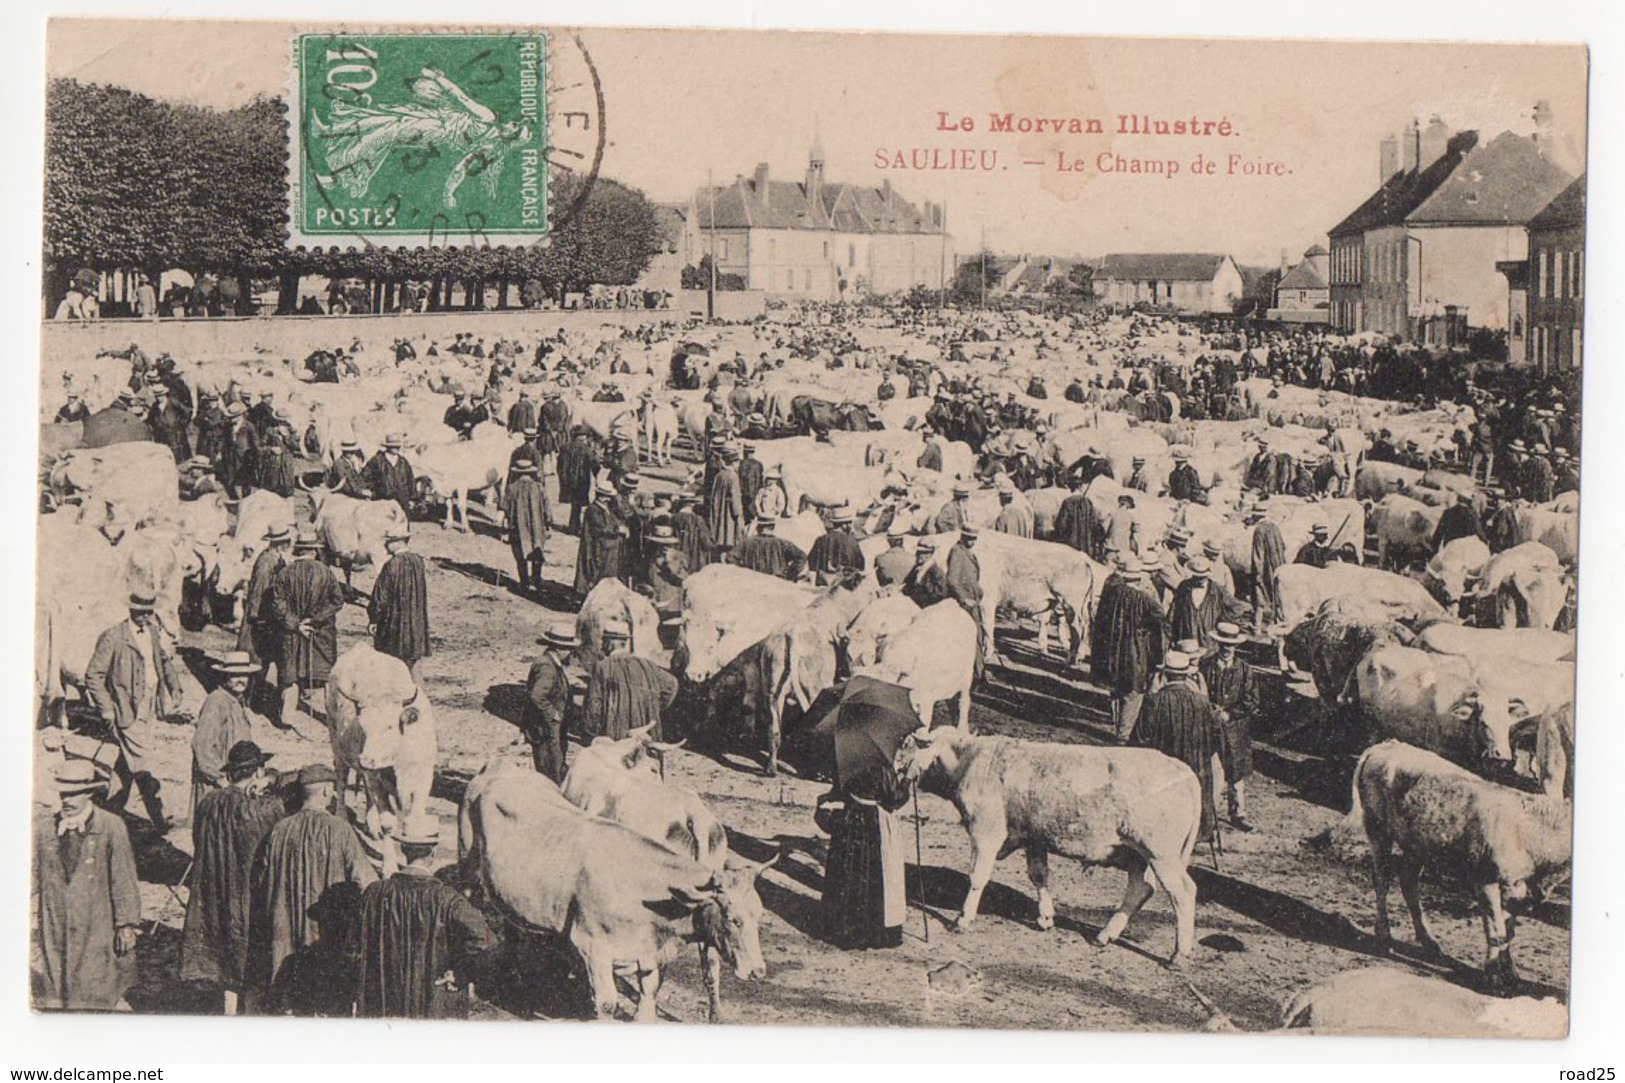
<point>867,723</point>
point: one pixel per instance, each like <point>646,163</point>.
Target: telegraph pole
<point>984,266</point>
<point>942,260</point>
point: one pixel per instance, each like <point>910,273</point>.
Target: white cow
<point>382,728</point>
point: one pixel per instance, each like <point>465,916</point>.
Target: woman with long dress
<point>863,904</point>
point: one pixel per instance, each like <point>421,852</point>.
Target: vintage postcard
<point>541,522</point>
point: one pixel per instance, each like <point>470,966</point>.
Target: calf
<point>1442,816</point>
<point>1383,1001</point>
<point>1133,808</point>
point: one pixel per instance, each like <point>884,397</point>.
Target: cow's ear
<point>694,896</point>
<point>409,716</point>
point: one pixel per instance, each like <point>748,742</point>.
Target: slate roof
<point>1504,182</point>
<point>1567,211</point>
<point>845,208</point>
<point>1406,190</point>
<point>1163,266</point>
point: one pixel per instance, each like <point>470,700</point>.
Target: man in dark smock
<point>524,510</point>
<point>768,553</point>
<point>694,538</point>
<point>892,566</point>
<point>258,634</point>
<point>725,505</point>
<point>87,901</point>
<point>222,722</point>
<point>304,856</point>
<point>836,551</point>
<point>577,466</point>
<point>1233,690</point>
<point>389,476</point>
<point>1269,553</point>
<point>1130,634</point>
<point>1199,604</point>
<point>1078,524</point>
<point>603,536</point>
<point>1178,721</point>
<point>414,931</point>
<point>625,693</point>
<point>305,602</point>
<point>926,584</point>
<point>399,609</point>
<point>228,828</point>
<point>962,576</point>
<point>345,475</point>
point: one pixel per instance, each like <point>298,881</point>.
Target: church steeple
<point>815,171</point>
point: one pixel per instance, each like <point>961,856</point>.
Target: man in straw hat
<point>836,551</point>
<point>603,541</point>
<point>1178,721</point>
<point>1015,517</point>
<point>1268,554</point>
<point>529,448</point>
<point>1139,477</point>
<point>522,415</point>
<point>1233,691</point>
<point>304,605</point>
<point>388,476</point>
<point>258,634</point>
<point>306,855</point>
<point>752,475</point>
<point>87,900</point>
<point>132,682</point>
<point>1199,604</point>
<point>525,517</point>
<point>228,827</point>
<point>892,566</point>
<point>666,572</point>
<point>416,930</point>
<point>550,686</point>
<point>398,612</point>
<point>1078,524</point>
<point>239,452</point>
<point>577,470</point>
<point>221,722</point>
<point>1127,640</point>
<point>955,513</point>
<point>346,475</point>
<point>624,692</point>
<point>725,503</point>
<point>1184,483</point>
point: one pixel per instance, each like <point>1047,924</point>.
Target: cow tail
<point>1296,1012</point>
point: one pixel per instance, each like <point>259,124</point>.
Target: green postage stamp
<point>410,139</point>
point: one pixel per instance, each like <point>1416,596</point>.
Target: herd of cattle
<point>1471,720</point>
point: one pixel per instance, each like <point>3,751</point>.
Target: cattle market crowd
<point>819,546</point>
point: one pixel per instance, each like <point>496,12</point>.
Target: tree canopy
<point>133,182</point>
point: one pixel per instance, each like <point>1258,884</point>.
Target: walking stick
<point>174,893</point>
<point>1215,845</point>
<point>919,866</point>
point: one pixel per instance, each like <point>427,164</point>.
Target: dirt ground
<point>1272,916</point>
<point>1271,919</point>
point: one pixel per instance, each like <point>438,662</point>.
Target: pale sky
<point>680,103</point>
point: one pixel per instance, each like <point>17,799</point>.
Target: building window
<point>851,255</point>
<point>722,249</point>
<point>1542,265</point>
<point>1579,277</point>
<point>806,279</point>
<point>772,251</point>
<point>790,279</point>
<point>1517,326</point>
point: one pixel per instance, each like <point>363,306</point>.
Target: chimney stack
<point>885,193</point>
<point>1411,145</point>
<point>761,182</point>
<point>1435,140</point>
<point>1388,158</point>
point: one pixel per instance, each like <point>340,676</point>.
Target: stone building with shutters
<point>1186,282</point>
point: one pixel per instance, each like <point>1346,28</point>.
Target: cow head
<point>383,723</point>
<point>931,758</point>
<point>728,916</point>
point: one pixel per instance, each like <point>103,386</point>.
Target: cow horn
<point>664,747</point>
<point>642,733</point>
<point>757,868</point>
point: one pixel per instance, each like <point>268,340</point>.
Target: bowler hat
<point>244,759</point>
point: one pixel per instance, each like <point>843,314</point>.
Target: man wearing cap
<point>1139,478</point>
<point>624,692</point>
<point>345,476</point>
<point>1013,518</point>
<point>725,504</point>
<point>1184,484</point>
<point>1178,721</point>
<point>740,399</point>
<point>525,517</point>
<point>306,855</point>
<point>522,414</point>
<point>462,416</point>
<point>772,500</point>
<point>836,552</point>
<point>415,933</point>
<point>87,900</point>
<point>167,422</point>
<point>892,566</point>
<point>926,583</point>
<point>228,827</point>
<point>1127,639</point>
<point>388,476</point>
<point>304,605</point>
<point>548,698</point>
<point>955,514</point>
<point>1233,691</point>
<point>769,554</point>
<point>258,634</point>
<point>1078,524</point>
<point>752,476</point>
<point>398,612</point>
<point>221,723</point>
<point>603,541</point>
<point>132,681</point>
<point>577,469</point>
